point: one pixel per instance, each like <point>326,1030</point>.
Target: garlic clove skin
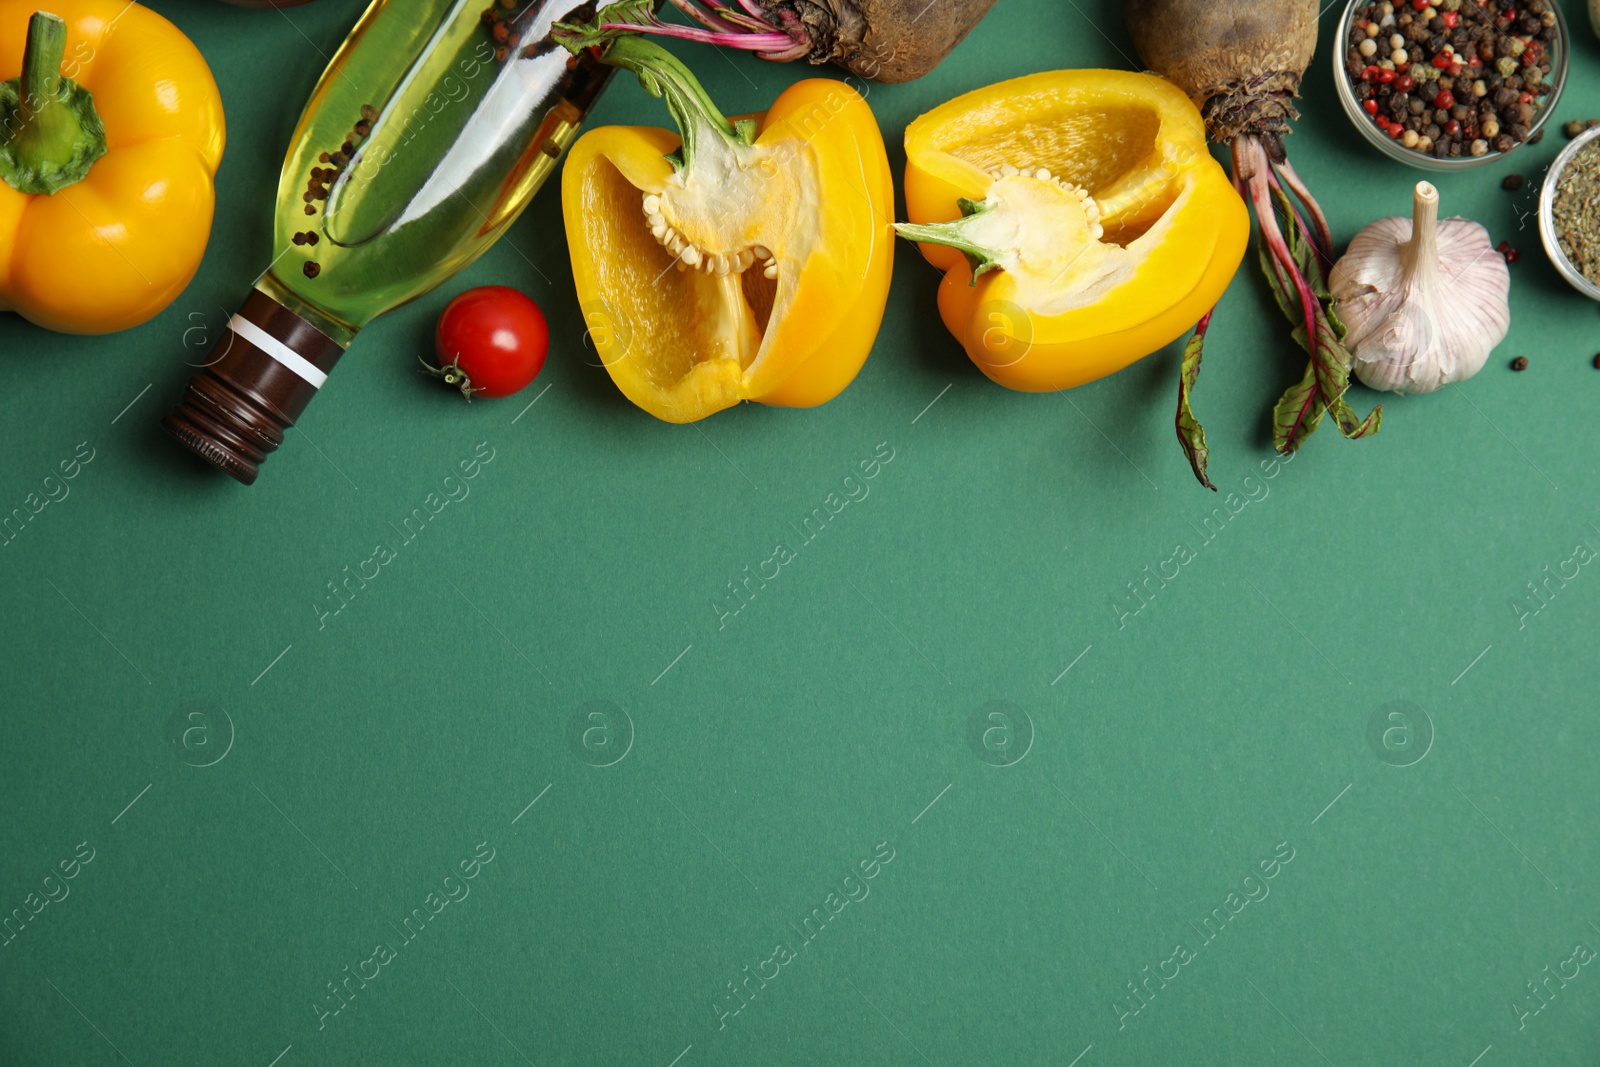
<point>1424,301</point>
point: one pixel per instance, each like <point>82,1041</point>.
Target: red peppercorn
<point>1397,130</point>
<point>1386,76</point>
<point>1404,84</point>
<point>1442,60</point>
<point>1418,5</point>
<point>1370,74</point>
<point>1445,100</point>
<point>1451,18</point>
<point>1505,249</point>
<point>1370,106</point>
<point>1525,98</point>
<point>1453,128</point>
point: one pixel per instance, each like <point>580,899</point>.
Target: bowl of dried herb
<point>1569,213</point>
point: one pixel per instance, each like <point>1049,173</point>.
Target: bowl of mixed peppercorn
<point>1450,84</point>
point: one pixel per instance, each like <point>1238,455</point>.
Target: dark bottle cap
<point>262,373</point>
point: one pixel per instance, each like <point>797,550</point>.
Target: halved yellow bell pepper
<point>1080,219</point>
<point>107,154</point>
<point>748,261</point>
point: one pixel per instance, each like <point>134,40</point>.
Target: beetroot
<point>880,40</point>
<point>1241,62</point>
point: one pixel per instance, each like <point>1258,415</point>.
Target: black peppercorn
<point>1520,363</point>
<point>1512,182</point>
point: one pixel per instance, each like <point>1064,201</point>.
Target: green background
<point>1117,803</point>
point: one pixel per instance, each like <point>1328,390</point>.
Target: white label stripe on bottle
<point>279,351</point>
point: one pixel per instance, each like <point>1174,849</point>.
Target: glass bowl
<point>1411,157</point>
<point>1547,219</point>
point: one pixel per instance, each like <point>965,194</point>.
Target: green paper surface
<point>683,784</point>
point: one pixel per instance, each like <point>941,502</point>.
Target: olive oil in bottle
<point>428,133</point>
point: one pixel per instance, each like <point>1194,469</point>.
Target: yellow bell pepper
<point>107,155</point>
<point>1080,219</point>
<point>748,261</point>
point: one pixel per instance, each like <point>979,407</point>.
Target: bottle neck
<point>338,332</point>
<point>264,370</point>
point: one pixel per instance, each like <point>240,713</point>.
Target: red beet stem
<point>746,27</point>
<point>1258,172</point>
<point>1323,235</point>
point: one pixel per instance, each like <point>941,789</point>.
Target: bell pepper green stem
<point>662,74</point>
<point>953,234</point>
<point>50,134</point>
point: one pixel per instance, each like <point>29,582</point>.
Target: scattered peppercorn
<point>312,270</point>
<point>1505,249</point>
<point>1573,128</point>
<point>1597,361</point>
<point>1511,183</point>
<point>1452,79</point>
<point>1520,363</point>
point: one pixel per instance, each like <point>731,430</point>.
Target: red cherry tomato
<point>491,341</point>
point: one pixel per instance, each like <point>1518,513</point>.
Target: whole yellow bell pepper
<point>107,154</point>
<point>1080,219</point>
<point>749,260</point>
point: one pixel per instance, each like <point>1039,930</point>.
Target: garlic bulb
<point>1424,301</point>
